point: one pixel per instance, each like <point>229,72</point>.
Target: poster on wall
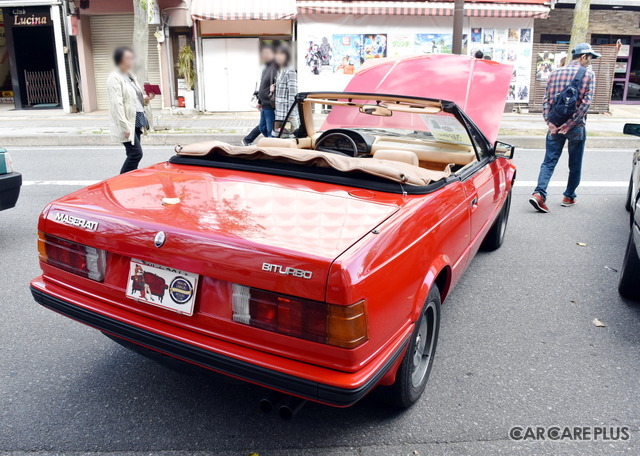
<point>512,45</point>
<point>400,45</point>
<point>375,46</point>
<point>319,55</point>
<point>546,62</point>
<point>348,53</point>
<point>433,43</point>
<point>476,35</point>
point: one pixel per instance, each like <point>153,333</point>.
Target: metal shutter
<point>109,32</point>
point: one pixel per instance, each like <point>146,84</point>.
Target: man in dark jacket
<point>266,91</point>
<point>267,73</point>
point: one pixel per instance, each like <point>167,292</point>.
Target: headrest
<point>397,155</point>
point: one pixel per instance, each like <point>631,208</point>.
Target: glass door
<point>632,94</point>
<point>626,82</point>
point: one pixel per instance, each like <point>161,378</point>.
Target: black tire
<point>411,378</point>
<point>629,285</point>
<point>627,203</point>
<point>495,237</point>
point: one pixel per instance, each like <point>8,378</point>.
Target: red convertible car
<point>312,264</point>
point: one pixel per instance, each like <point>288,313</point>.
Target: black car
<point>629,285</point>
<point>10,182</point>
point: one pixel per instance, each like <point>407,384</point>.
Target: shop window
<point>547,38</point>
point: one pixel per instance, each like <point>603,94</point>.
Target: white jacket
<point>122,105</point>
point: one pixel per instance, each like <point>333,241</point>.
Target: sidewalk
<point>55,128</point>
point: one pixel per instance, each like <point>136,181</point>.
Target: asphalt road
<point>517,347</point>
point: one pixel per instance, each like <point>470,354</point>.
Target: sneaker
<point>537,201</point>
<point>566,202</point>
<point>245,142</point>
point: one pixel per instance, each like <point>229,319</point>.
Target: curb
<point>106,140</point>
<point>159,139</point>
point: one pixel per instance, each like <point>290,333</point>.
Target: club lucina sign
<point>23,17</point>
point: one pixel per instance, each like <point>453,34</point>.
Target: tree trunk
<point>458,18</point>
<point>580,24</point>
<point>140,38</point>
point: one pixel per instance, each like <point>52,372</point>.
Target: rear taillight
<point>72,257</point>
<point>342,326</point>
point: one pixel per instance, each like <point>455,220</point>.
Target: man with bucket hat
<point>565,105</point>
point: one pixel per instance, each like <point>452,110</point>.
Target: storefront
<point>33,72</point>
<point>615,24</point>
<point>102,26</point>
<point>336,38</point>
<point>230,33</point>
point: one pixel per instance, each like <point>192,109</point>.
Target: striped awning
<point>382,8</point>
<point>238,10</point>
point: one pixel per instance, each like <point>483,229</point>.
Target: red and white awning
<point>237,10</point>
<point>383,8</point>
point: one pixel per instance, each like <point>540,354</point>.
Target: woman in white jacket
<point>127,104</point>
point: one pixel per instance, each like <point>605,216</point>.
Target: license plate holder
<point>162,286</point>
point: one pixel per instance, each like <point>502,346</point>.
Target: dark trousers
<point>555,143</point>
<point>253,134</point>
<point>134,153</point>
<point>267,118</point>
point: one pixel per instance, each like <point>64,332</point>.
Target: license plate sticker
<point>162,286</point>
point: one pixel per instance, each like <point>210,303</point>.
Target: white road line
<point>616,184</point>
<point>79,183</point>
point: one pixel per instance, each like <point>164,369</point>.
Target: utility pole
<point>580,26</point>
<point>458,19</point>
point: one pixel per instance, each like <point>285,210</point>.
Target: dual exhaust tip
<point>287,406</point>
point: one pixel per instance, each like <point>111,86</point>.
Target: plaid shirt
<point>286,90</point>
<point>559,80</point>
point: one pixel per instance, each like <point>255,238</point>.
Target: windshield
<point>417,119</point>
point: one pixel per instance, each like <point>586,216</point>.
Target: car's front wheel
<point>495,237</point>
<point>413,373</point>
<point>629,285</point>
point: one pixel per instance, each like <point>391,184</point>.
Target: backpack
<point>565,104</point>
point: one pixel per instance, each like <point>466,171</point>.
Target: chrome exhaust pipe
<point>290,407</point>
<point>272,401</point>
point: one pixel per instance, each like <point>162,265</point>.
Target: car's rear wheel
<point>629,285</point>
<point>495,237</point>
<point>413,373</point>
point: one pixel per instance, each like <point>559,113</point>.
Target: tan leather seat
<point>403,156</point>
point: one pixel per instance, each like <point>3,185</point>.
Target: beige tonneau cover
<point>395,171</point>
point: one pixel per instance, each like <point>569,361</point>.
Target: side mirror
<point>631,129</point>
<point>503,150</point>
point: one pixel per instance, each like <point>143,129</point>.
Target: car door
<point>484,184</point>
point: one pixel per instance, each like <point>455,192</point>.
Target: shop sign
<point>27,17</point>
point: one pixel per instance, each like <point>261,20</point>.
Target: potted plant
<point>187,72</point>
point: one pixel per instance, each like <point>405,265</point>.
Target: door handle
<point>474,202</point>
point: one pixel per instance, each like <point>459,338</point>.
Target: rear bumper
<point>270,378</point>
<point>9,190</point>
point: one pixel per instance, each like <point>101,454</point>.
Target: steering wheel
<point>352,143</point>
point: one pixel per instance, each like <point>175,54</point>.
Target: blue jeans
<point>555,143</point>
<point>267,118</point>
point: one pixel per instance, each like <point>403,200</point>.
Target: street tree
<point>141,10</point>
<point>580,26</point>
